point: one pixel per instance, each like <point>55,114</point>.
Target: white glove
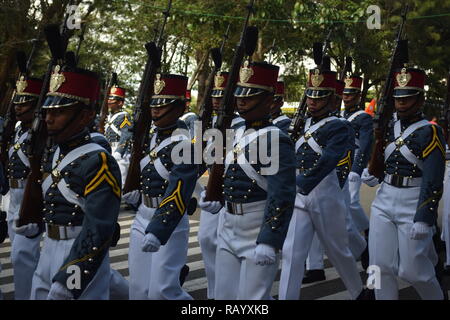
<point>368,179</point>
<point>353,177</point>
<point>210,206</point>
<point>150,243</point>
<point>28,230</point>
<point>265,254</point>
<point>59,292</point>
<point>420,230</point>
<point>116,155</point>
<point>132,197</point>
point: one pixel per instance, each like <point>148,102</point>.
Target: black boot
<point>365,254</point>
<point>183,274</point>
<point>314,276</point>
<point>366,294</point>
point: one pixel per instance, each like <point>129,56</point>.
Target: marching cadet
<point>160,232</point>
<point>117,129</point>
<point>405,207</point>
<point>319,204</point>
<point>24,240</point>
<point>209,214</point>
<point>81,191</point>
<point>211,211</point>
<point>258,202</point>
<point>278,119</point>
<point>314,263</point>
<point>363,127</point>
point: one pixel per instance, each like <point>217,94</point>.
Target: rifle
<point>32,204</point>
<point>322,63</point>
<point>205,112</point>
<point>143,118</point>
<point>347,68</point>
<point>104,109</point>
<point>385,107</point>
<point>246,46</point>
<point>445,119</point>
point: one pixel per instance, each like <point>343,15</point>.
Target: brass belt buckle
<point>53,232</point>
<point>237,208</point>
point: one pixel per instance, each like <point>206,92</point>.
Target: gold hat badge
<point>316,78</point>
<point>56,80</point>
<point>403,78</point>
<point>245,73</point>
<point>21,84</point>
<point>219,80</point>
<point>159,84</point>
<point>114,89</point>
<point>348,82</point>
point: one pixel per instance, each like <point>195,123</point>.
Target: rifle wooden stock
<point>31,209</point>
<point>214,189</point>
<point>205,113</point>
<point>446,113</point>
<point>299,119</point>
<point>385,108</point>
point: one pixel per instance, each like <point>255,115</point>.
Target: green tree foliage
<point>116,31</point>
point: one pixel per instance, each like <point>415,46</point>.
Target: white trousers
<point>118,286</point>
<point>123,162</point>
<point>357,243</point>
<point>323,211</point>
<point>24,251</point>
<point>359,217</point>
<point>392,249</point>
<point>445,236</point>
<point>207,238</point>
<point>156,275</point>
<point>53,255</point>
<point>238,277</point>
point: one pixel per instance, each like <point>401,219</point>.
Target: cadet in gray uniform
<point>117,130</point>
<point>24,240</point>
<point>406,205</point>
<point>258,201</point>
<point>319,205</point>
<point>160,232</point>
<point>82,190</point>
<point>363,127</point>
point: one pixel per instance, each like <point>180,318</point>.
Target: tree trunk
<point>203,71</point>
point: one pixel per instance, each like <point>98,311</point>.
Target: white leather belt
<point>152,202</point>
<point>57,232</point>
<point>402,182</point>
<point>242,208</point>
<point>17,183</point>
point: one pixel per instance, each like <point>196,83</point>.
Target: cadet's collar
<point>77,140</point>
<point>167,131</point>
<point>275,115</point>
<point>336,113</point>
<point>351,109</point>
<point>317,119</point>
<point>413,119</point>
<point>257,124</point>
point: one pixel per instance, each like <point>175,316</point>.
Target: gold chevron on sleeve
<point>125,122</point>
<point>346,160</point>
<point>176,197</point>
<point>103,174</point>
<point>435,142</point>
